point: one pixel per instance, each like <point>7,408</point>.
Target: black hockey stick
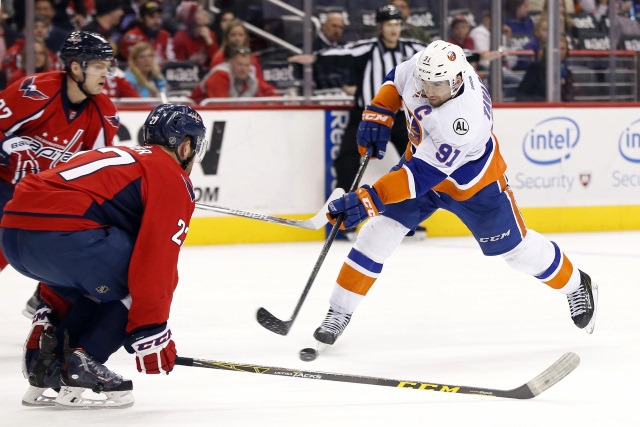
<point>282,327</point>
<point>554,373</point>
<point>316,222</point>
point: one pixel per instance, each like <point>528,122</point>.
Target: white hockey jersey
<point>452,147</point>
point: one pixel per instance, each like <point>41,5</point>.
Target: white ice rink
<point>441,312</point>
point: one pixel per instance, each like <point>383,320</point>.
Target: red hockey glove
<point>16,153</point>
<point>357,206</point>
<point>41,322</point>
<point>374,131</point>
<point>155,350</point>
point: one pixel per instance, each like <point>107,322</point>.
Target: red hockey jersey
<point>37,109</point>
<point>141,190</point>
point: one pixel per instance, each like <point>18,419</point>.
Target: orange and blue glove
<point>374,131</point>
<point>357,206</point>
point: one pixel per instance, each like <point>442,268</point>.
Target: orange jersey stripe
<point>514,206</point>
<point>563,275</point>
<point>388,98</point>
<point>354,281</point>
<point>394,186</point>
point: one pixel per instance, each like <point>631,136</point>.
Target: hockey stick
<point>282,327</point>
<point>554,373</point>
<point>315,223</point>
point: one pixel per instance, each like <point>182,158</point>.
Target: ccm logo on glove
<point>156,342</point>
<point>374,117</point>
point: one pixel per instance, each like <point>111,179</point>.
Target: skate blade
<point>38,397</point>
<point>72,398</point>
<point>592,323</point>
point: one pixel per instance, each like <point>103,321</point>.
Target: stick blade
<point>563,367</point>
<point>272,323</point>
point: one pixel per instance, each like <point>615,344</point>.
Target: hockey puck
<point>308,354</point>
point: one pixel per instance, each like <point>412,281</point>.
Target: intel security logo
<point>551,141</point>
<point>629,142</point>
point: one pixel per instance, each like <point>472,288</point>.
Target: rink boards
<point>571,169</point>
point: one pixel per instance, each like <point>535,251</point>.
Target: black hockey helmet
<point>169,124</point>
<point>83,46</point>
<point>388,13</point>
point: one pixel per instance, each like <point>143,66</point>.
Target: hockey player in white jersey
<point>453,162</point>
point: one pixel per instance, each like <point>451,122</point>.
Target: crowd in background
<point>151,36</point>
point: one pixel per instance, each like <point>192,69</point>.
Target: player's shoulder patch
<point>30,90</point>
<point>189,186</point>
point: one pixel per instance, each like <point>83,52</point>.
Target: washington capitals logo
<point>30,90</point>
<point>113,121</point>
<point>451,56</point>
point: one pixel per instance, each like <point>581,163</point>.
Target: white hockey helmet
<point>441,61</point>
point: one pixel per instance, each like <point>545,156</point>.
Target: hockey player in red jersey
<point>453,162</point>
<point>46,118</point>
<point>104,232</point>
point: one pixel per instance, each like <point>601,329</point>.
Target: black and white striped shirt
<point>370,62</point>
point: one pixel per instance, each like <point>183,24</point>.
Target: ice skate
<point>83,373</point>
<point>583,303</point>
<point>43,374</point>
<point>332,326</point>
<point>32,303</point>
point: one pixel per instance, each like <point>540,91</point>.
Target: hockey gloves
<point>375,131</point>
<point>356,206</point>
<point>155,350</point>
<point>41,323</point>
<point>16,153</point>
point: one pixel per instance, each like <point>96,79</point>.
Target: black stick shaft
<point>278,326</point>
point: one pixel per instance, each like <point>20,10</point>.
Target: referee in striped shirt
<point>369,61</point>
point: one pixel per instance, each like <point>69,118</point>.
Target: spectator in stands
<point>533,87</point>
<point>7,38</point>
<point>622,24</point>
<point>409,31</point>
<point>222,21</point>
<point>148,29</point>
<point>330,35</point>
<point>595,8</point>
<point>566,23</point>
<point>131,14</point>
<point>143,71</point>
<point>42,61</point>
<point>106,21</point>
<point>60,18</point>
<point>518,19</point>
<point>117,86</point>
<point>54,36</point>
<point>481,36</point>
<point>331,31</point>
<point>238,36</point>
<point>14,58</point>
<point>459,33</point>
<point>236,77</point>
<point>196,42</point>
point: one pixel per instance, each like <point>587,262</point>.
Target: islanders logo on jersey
<point>30,90</point>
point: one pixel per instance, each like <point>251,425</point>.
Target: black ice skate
<point>332,326</point>
<point>43,373</point>
<point>583,303</point>
<point>32,303</point>
<point>83,372</point>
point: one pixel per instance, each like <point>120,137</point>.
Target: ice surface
<point>440,312</point>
